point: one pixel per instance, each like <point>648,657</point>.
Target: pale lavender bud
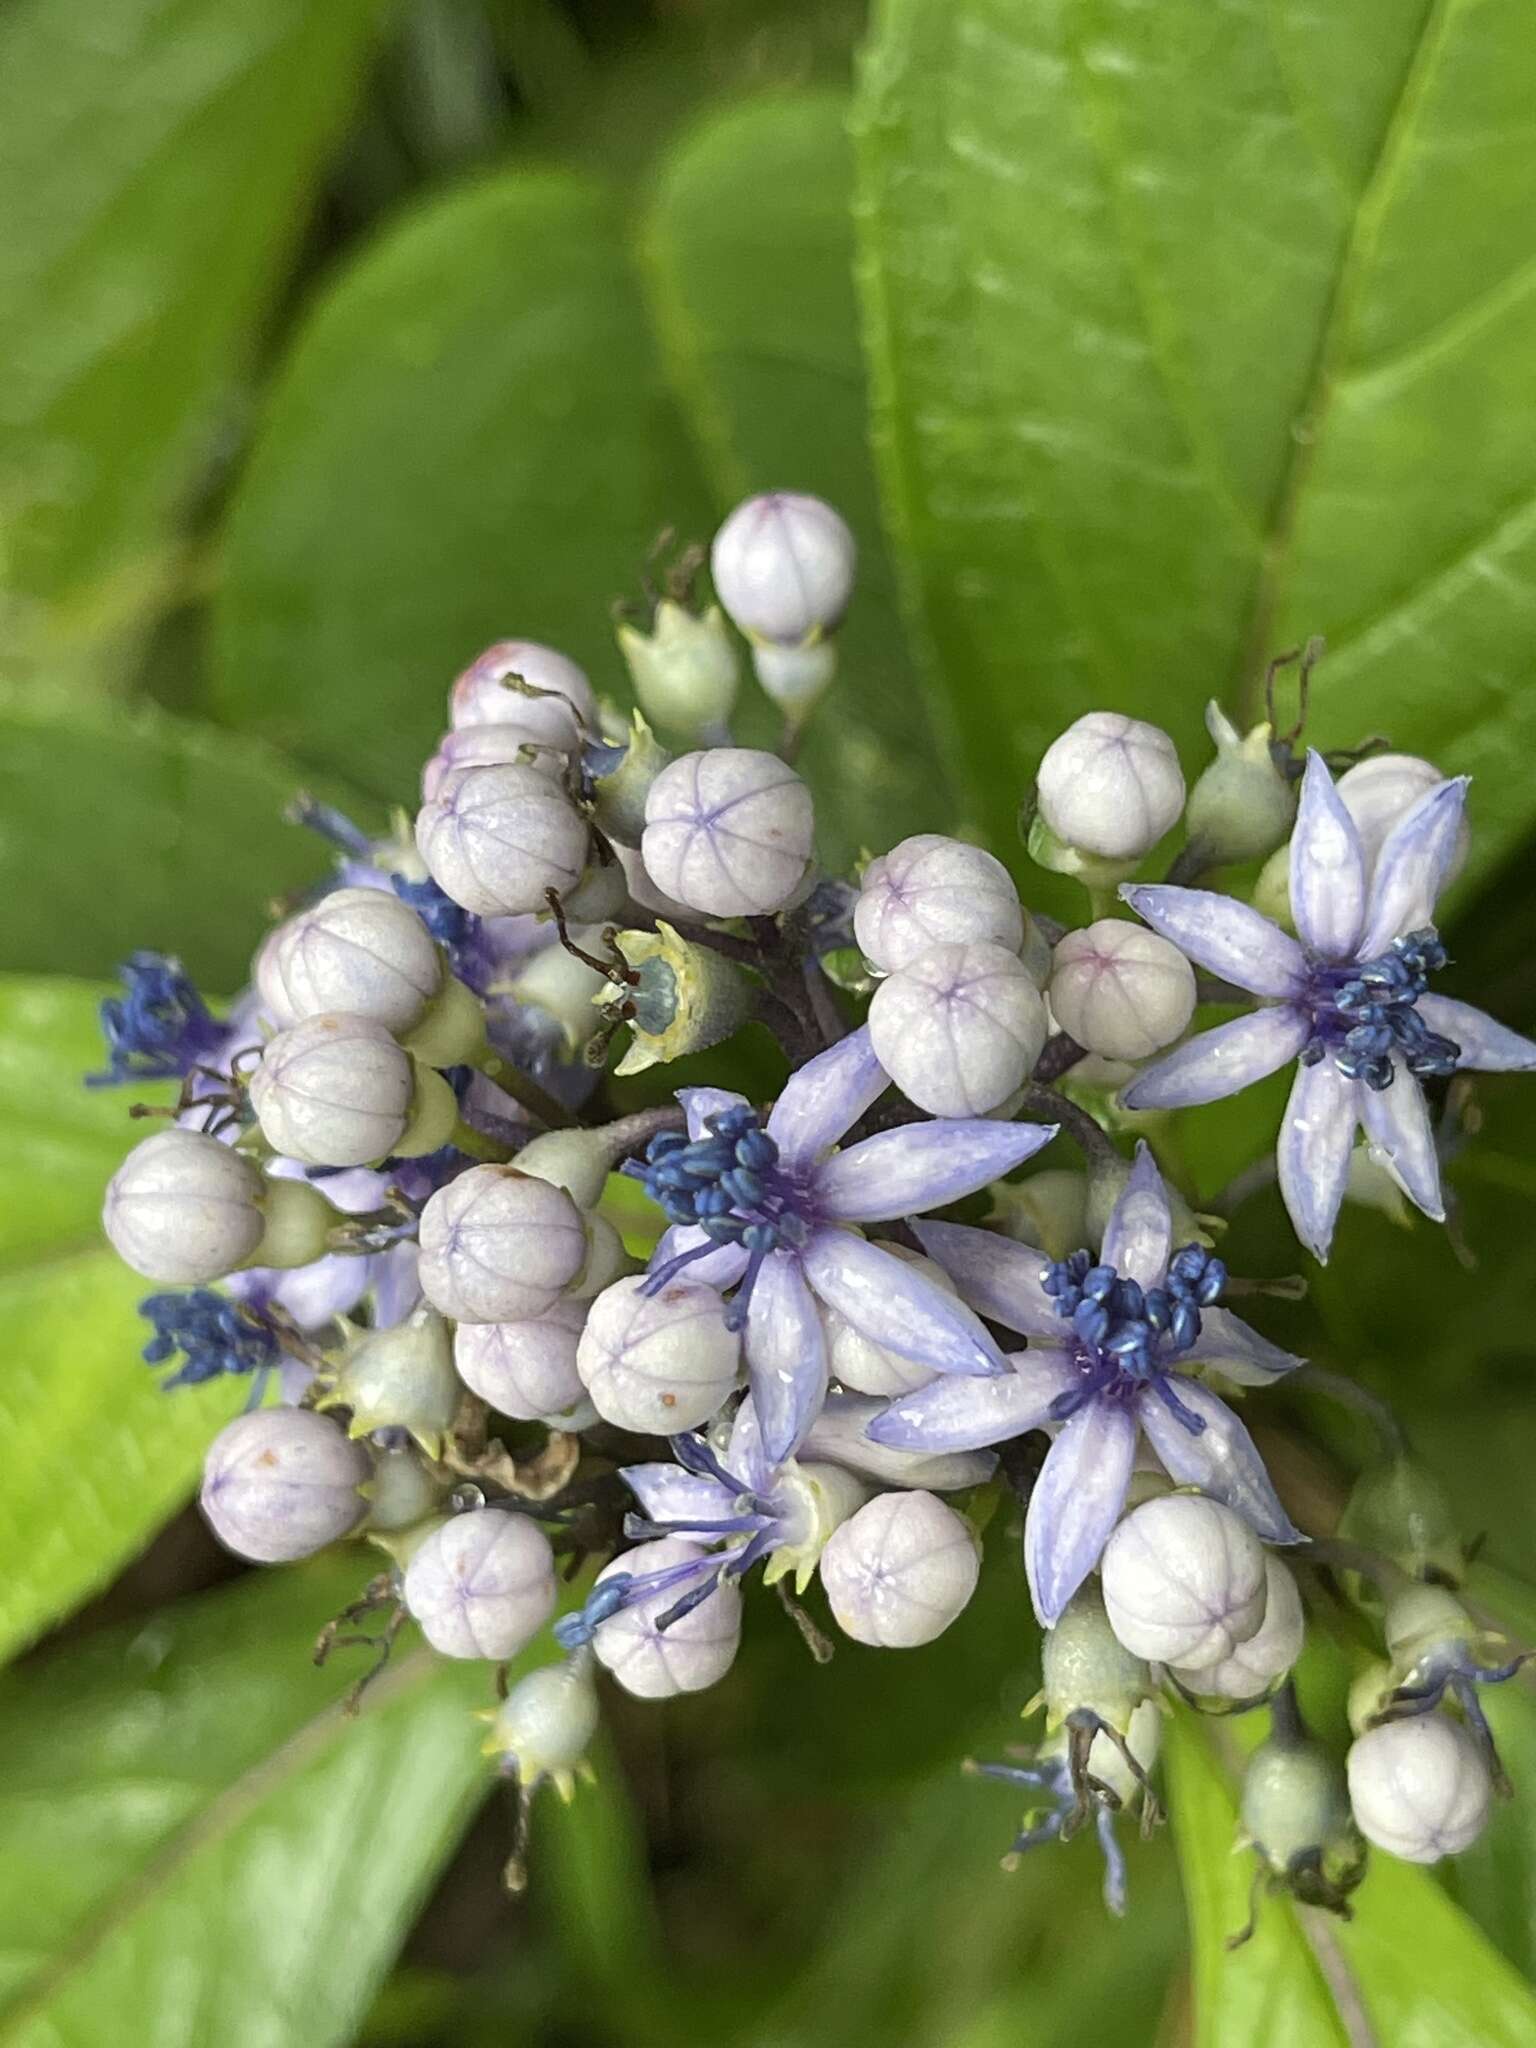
<point>556,707</point>
<point>282,1483</point>
<point>358,951</point>
<point>658,1363</point>
<point>496,839</point>
<point>526,1370</point>
<point>1183,1581</point>
<point>184,1209</point>
<point>643,889</point>
<point>338,1091</point>
<point>1111,786</point>
<point>481,1585</point>
<point>1419,1788</point>
<point>868,1368</point>
<point>1120,990</point>
<point>783,566</point>
<point>485,746</point>
<point>1256,1667</point>
<point>959,1029</point>
<point>696,1651</point>
<point>1380,791</point>
<point>899,1571</point>
<point>930,891</point>
<point>498,1246</point>
<point>728,832</point>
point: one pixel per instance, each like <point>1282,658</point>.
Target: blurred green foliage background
<point>340,337</point>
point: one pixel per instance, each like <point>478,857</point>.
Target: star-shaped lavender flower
<point>1349,999</point>
<point>771,1210</point>
<point>1113,1348</point>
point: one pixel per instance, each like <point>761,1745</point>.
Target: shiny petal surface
<point>1076,1503</point>
<point>1139,1234</point>
<point>1486,1045</point>
<point>1222,1460</point>
<point>826,1098</point>
<point>699,1103</point>
<point>1222,935</point>
<point>1327,868</point>
<point>923,1166</point>
<point>1396,1121</point>
<point>837,1437</point>
<point>1220,1062</point>
<point>892,1304</point>
<point>786,1354</point>
<point>669,1494</point>
<point>1412,866</point>
<point>961,1412</point>
<point>997,1276</point>
<point>1229,1346</point>
<point>722,1267</point>
<point>1316,1135</point>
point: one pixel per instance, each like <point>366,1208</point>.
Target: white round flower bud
<point>556,707</point>
<point>899,1571</point>
<point>485,746</point>
<point>1379,791</point>
<point>728,832</point>
<point>658,1363</point>
<point>1183,1581</point>
<point>184,1209</point>
<point>1120,990</point>
<point>526,1370</point>
<point>868,1368</point>
<point>545,1725</point>
<point>495,839</point>
<point>1419,1788</point>
<point>499,1246</point>
<point>358,951</point>
<point>959,1029</point>
<point>1255,1667</point>
<point>281,1483</point>
<point>783,566</point>
<point>930,891</point>
<point>1111,786</point>
<point>695,1652</point>
<point>482,1584</point>
<point>334,1091</point>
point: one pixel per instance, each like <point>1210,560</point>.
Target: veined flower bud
<point>545,1725</point>
<point>1400,1508</point>
<point>930,891</point>
<point>1183,1581</point>
<point>184,1209</point>
<point>359,951</point>
<point>783,566</point>
<point>1295,1813</point>
<point>564,988</point>
<point>498,1246</point>
<point>685,670</point>
<point>621,777</point>
<point>1120,990</point>
<point>579,1161</point>
<point>1255,1667</point>
<point>694,1652</point>
<point>1242,807</point>
<point>518,682</point>
<point>1419,1788</point>
<point>1085,1668</point>
<point>607,1260</point>
<point>866,1367</point>
<point>1381,790</point>
<point>497,839</point>
<point>658,1363</point>
<point>338,1091</point>
<point>728,832</point>
<point>281,1483</point>
<point>526,1370</point>
<point>401,1378</point>
<point>1111,786</point>
<point>1049,1210</point>
<point>959,1029</point>
<point>688,997</point>
<point>643,889</point>
<point>900,1571</point>
<point>402,1490</point>
<point>486,746</point>
<point>482,1584</point>
<point>795,677</point>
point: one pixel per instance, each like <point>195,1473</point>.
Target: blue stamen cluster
<point>159,1028</point>
<point>213,1334</point>
<point>1368,1015</point>
<point>1128,1335</point>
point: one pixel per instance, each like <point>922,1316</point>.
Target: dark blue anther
<point>213,1334</point>
<point>159,1028</point>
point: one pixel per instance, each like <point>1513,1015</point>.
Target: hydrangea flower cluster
<point>386,1197</point>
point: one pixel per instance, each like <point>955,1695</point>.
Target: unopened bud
<point>358,951</point>
<point>281,1483</point>
<point>685,670</point>
<point>498,839</point>
<point>1419,1788</point>
<point>728,832</point>
<point>498,1246</point>
<point>783,567</point>
<point>658,1362</point>
<point>184,1209</point>
<point>518,682</point>
<point>900,1570</point>
<point>687,997</point>
<point>338,1091</point>
<point>487,746</point>
<point>1110,786</point>
<point>1120,990</point>
<point>1255,1667</point>
<point>1183,1581</point>
<point>482,1584</point>
<point>1242,807</point>
<point>959,1029</point>
<point>930,891</point>
<point>526,1370</point>
<point>695,1651</point>
<point>1380,791</point>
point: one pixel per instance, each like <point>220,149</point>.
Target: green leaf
<point>130,828</point>
<point>748,252</point>
<point>97,1455</point>
<point>1410,1966</point>
<point>156,159</point>
<point>1157,396</point>
<point>206,1847</point>
<point>471,440</point>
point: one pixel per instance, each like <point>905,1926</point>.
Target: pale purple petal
<point>1222,1460</point>
<point>745,1456</point>
<point>1139,1234</point>
<point>826,1098</point>
<point>1327,867</point>
<point>313,1295</point>
<point>837,1437</point>
<point>1076,1503</point>
<point>1222,1061</point>
<point>922,1166</point>
<point>1396,1121</point>
<point>699,1103</point>
<point>961,1412</point>
<point>1228,1346</point>
<point>1486,1045</point>
<point>895,1305</point>
<point>396,1288</point>
<point>786,1354</point>
<point>1412,866</point>
<point>720,1268</point>
<point>1222,935</point>
<point>667,1493</point>
<point>1316,1137</point>
<point>997,1276</point>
